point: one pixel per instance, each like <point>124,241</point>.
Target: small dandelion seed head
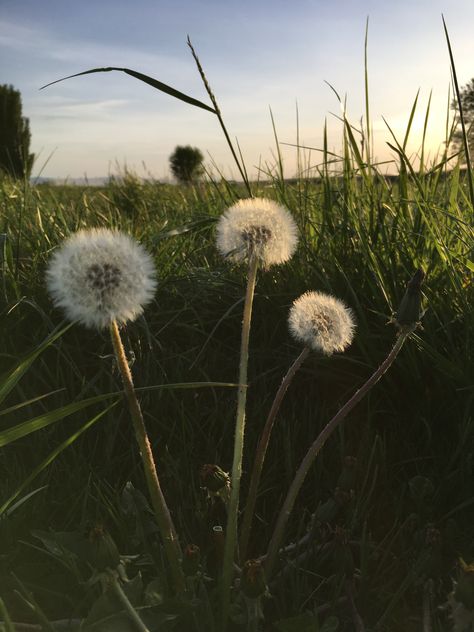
<point>260,227</point>
<point>321,322</point>
<point>101,275</point>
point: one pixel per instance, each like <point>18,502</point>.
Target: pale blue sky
<point>257,54</point>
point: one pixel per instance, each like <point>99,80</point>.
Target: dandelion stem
<point>261,452</point>
<point>313,451</point>
<point>233,507</point>
<point>162,514</point>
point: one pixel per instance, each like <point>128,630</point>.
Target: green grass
<point>362,236</point>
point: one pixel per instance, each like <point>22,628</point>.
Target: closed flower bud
<point>214,478</point>
<point>102,550</point>
<point>409,313</point>
<point>191,560</point>
<point>252,582</point>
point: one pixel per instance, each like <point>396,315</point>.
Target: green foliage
<point>186,164</point>
<point>15,137</point>
<point>467,104</point>
<point>364,540</point>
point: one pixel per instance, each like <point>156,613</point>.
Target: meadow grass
<point>363,234</point>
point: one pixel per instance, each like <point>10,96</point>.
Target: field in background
<point>362,237</point>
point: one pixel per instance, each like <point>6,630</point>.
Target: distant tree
<point>467,103</point>
<point>15,137</point>
<point>186,164</point>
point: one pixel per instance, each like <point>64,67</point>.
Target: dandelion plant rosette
<point>261,233</point>
<point>103,278</point>
<point>99,276</point>
<point>323,324</point>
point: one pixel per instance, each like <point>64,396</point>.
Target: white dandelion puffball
<point>101,275</point>
<point>321,322</point>
<point>257,226</point>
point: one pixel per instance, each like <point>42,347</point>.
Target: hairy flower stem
<point>262,450</point>
<point>233,506</point>
<point>162,514</point>
<point>313,451</point>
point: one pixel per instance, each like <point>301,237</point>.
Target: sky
<point>261,57</point>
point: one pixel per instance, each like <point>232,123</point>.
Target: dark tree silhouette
<point>467,103</point>
<point>186,164</point>
<point>15,137</point>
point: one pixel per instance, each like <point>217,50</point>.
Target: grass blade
<point>461,116</point>
<point>50,458</point>
<point>154,83</point>
<point>43,421</point>
<point>12,378</point>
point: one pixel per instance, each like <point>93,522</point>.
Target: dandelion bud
<point>257,227</point>
<point>409,312</point>
<point>191,560</point>
<point>102,550</point>
<point>214,478</point>
<point>252,581</point>
<point>321,322</point>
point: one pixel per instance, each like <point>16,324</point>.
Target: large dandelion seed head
<point>260,227</point>
<point>321,322</point>
<point>100,275</point>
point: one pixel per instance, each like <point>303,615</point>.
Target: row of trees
<point>15,138</point>
<point>186,162</point>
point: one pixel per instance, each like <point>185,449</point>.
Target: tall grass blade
<point>43,421</point>
<point>50,458</point>
<point>366,85</point>
<point>410,121</point>
<point>47,419</point>
<point>9,381</point>
<point>154,83</point>
<point>461,116</point>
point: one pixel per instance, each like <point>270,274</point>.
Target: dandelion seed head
<point>321,322</point>
<point>257,226</point>
<point>101,275</point>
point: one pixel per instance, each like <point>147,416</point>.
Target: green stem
<point>254,613</point>
<point>313,451</point>
<point>7,622</point>
<point>124,600</point>
<point>233,507</point>
<point>209,91</point>
<point>262,450</point>
<point>162,514</point>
